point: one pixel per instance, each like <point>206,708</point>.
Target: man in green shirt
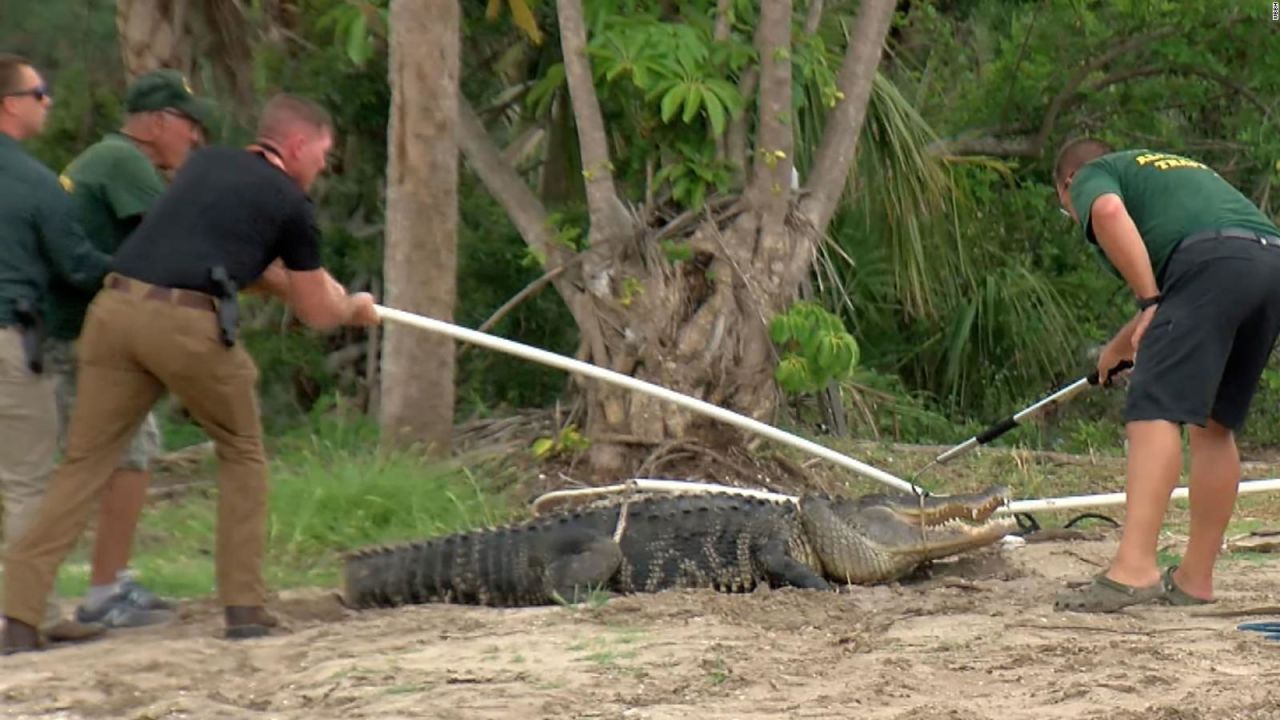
<point>113,183</point>
<point>39,240</point>
<point>1203,264</point>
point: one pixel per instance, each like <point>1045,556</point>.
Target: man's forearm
<point>1125,333</point>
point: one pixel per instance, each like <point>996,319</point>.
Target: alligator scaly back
<point>633,545</point>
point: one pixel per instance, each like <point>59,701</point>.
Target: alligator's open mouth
<point>880,536</point>
<point>962,511</point>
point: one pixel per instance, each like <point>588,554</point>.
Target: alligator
<point>644,543</point>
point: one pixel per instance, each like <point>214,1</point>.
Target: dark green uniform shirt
<point>112,184</point>
<point>39,237</point>
<point>1168,196</point>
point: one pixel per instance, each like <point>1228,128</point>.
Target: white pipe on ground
<point>1069,502</point>
<point>1084,501</point>
<point>577,366</point>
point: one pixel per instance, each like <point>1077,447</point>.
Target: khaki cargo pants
<point>28,437</point>
<point>138,341</point>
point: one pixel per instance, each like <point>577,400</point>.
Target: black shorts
<point>1204,352</point>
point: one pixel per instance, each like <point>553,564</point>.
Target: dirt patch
<point>972,639</point>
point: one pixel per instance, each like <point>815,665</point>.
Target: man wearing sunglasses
<point>39,240</point>
<point>113,184</point>
<point>166,320</point>
<point>1203,264</point>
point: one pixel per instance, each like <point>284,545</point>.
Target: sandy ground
<point>977,639</point>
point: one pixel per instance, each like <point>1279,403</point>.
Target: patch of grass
<point>717,670</point>
<point>593,597</point>
<point>1165,558</point>
<point>331,491</point>
<point>608,658</point>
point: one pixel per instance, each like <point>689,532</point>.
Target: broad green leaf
<point>359,48</point>
<point>671,101</point>
<point>793,374</point>
<point>715,112</point>
<point>827,352</point>
<point>692,102</point>
<point>543,447</point>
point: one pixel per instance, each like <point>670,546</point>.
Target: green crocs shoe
<point>1173,595</point>
<point>1105,595</point>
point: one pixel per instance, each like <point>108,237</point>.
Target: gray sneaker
<point>140,597</point>
<point>132,605</point>
<point>118,613</point>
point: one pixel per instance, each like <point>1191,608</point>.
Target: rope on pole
<point>567,364</point>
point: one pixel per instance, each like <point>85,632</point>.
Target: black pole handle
<point>1119,368</point>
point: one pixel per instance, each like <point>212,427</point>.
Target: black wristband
<point>1144,303</point>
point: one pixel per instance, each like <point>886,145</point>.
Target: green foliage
<point>355,24</point>
<point>815,348</point>
<point>569,441</point>
<point>969,295</point>
<point>672,82</point>
<point>695,175</point>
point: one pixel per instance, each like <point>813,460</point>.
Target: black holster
<point>28,319</point>
<point>228,305</point>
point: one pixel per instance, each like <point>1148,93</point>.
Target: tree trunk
<point>420,262</point>
<point>844,123</point>
<point>699,326</point>
<point>175,34</point>
<point>154,34</point>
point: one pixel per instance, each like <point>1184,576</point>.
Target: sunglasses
<point>39,92</point>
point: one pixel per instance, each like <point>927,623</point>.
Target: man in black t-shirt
<point>230,215</point>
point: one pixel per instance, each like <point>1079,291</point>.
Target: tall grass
<point>331,491</point>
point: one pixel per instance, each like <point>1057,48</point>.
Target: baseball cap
<point>169,89</point>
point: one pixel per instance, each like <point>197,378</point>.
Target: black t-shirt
<point>228,207</point>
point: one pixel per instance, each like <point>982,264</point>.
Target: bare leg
<point>117,521</point>
<point>1215,478</point>
<point>1155,460</point>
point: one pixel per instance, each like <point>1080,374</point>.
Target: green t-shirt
<point>112,185</point>
<point>1168,196</point>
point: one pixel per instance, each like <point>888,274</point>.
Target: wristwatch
<point>1144,303</point>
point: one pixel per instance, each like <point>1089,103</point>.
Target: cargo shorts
<point>60,364</point>
<point>1204,353</point>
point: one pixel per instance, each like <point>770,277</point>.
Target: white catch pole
<point>1083,501</point>
<point>576,366</point>
<point>1069,502</point>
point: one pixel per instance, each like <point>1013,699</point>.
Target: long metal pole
<point>593,371</point>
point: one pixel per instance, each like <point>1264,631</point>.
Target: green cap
<point>166,90</point>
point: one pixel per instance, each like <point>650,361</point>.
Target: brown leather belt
<point>175,296</point>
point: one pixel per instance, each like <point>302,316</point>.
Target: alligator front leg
<point>783,570</point>
<point>581,563</point>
